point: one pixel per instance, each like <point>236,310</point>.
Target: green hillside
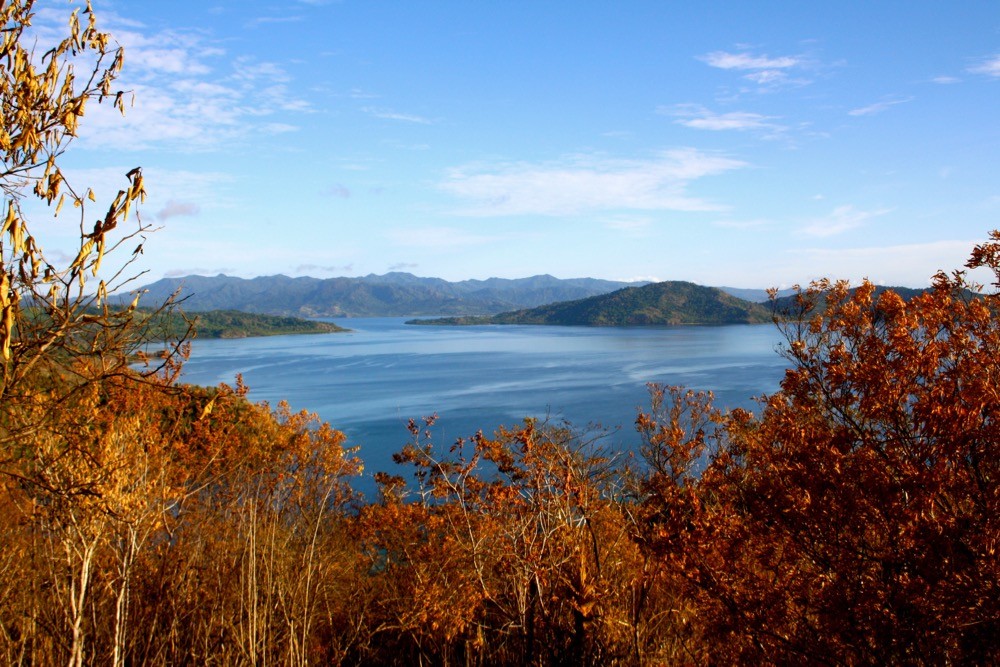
<point>236,324</point>
<point>667,303</point>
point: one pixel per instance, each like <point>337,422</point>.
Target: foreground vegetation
<point>855,519</point>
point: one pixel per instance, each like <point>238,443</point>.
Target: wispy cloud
<point>700,118</point>
<point>587,183</point>
<point>989,66</point>
<point>361,94</point>
<point>271,20</point>
<point>945,80</point>
<point>726,60</point>
<point>389,114</point>
<point>840,220</point>
<point>878,107</point>
<point>765,71</point>
<point>639,279</point>
<point>188,94</point>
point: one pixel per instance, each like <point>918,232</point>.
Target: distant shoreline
<point>235,324</point>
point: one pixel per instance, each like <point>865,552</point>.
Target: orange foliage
<point>856,519</point>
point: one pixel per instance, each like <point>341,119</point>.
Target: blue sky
<point>725,143</point>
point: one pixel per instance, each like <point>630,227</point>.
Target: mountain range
<point>392,294</point>
<point>541,299</point>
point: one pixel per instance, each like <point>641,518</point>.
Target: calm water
<point>368,383</point>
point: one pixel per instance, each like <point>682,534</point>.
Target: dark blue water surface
<point>369,382</point>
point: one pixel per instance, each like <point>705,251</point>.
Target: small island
<point>657,304</point>
<point>234,324</point>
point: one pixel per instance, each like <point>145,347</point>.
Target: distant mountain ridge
<point>392,294</point>
<point>666,303</point>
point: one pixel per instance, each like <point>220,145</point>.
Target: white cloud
<point>639,279</point>
<point>581,183</point>
<point>271,20</point>
<point>184,93</point>
<point>768,73</point>
<point>168,61</point>
<point>746,61</point>
<point>989,66</point>
<point>388,114</point>
<point>840,220</point>
<point>165,52</point>
<point>703,119</point>
<point>878,107</point>
<point>252,71</point>
<point>945,80</point>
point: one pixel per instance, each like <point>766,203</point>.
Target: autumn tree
<point>855,520</point>
<point>60,333</point>
<point>59,328</point>
<point>512,548</point>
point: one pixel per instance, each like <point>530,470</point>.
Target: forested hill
<point>655,304</point>
<point>392,294</point>
<point>234,324</point>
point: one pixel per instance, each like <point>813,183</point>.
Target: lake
<point>369,382</point>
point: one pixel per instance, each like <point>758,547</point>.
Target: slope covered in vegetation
<point>666,303</point>
<point>233,324</point>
